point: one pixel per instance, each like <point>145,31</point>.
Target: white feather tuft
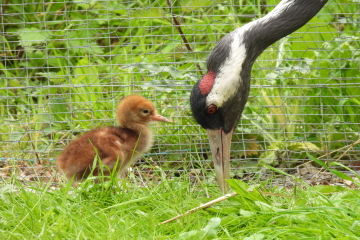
<point>228,80</point>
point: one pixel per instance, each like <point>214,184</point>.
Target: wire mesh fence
<point>64,66</point>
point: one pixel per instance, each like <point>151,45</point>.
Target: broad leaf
<point>32,36</point>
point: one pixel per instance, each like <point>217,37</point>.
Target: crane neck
<point>285,18</point>
<point>238,50</point>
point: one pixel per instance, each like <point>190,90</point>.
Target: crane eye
<point>145,111</point>
<point>211,109</point>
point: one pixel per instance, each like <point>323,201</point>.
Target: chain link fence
<point>64,66</point>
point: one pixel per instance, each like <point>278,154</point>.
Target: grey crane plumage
<point>218,99</point>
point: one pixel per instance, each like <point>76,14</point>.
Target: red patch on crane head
<point>207,82</point>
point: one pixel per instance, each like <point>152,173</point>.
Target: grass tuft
<point>120,208</point>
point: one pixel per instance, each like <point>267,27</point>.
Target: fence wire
<point>64,66</point>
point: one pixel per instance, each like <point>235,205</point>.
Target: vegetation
<point>65,65</point>
<point>121,210</point>
<point>65,72</point>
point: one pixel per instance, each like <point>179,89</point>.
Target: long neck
<point>285,18</point>
<point>246,43</point>
<point>233,56</point>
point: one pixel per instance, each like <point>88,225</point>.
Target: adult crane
<point>218,99</point>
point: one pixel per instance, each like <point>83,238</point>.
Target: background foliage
<point>64,65</point>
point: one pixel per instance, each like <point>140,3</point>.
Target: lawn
<point>123,210</point>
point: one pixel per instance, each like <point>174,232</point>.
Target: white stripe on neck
<point>227,81</point>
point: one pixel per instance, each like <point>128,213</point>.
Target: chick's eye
<point>211,109</point>
<point>145,111</point>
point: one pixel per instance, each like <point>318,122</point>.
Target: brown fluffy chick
<point>125,144</point>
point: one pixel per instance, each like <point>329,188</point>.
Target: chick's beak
<point>220,144</point>
<point>159,118</point>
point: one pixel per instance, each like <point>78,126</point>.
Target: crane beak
<point>220,144</point>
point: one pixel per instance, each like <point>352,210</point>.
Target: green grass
<point>123,210</point>
<point>304,92</point>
